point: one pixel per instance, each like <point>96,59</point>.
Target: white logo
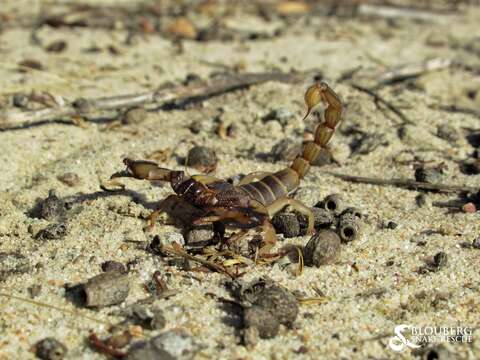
<point>399,342</point>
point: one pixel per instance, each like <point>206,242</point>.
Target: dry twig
<point>182,95</point>
<point>407,183</point>
<point>378,99</point>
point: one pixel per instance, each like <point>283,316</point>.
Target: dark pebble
<point>285,150</point>
<point>476,243</point>
<point>281,302</point>
<point>52,232</point>
<point>20,100</point>
<point>286,224</point>
<point>196,127</point>
<point>69,178</point>
<point>50,349</point>
<point>109,288</point>
<point>322,248</point>
<point>440,259</point>
<point>202,157</point>
<point>52,207</point>
<point>428,175</point>
<point>421,200</point>
<point>112,265</point>
<point>391,225</point>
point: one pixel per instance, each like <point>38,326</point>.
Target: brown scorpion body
<point>258,196</point>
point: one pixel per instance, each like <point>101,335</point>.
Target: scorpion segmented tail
<point>324,131</point>
<point>278,185</point>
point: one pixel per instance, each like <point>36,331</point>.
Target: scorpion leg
<point>152,218</point>
<point>257,175</point>
<point>279,204</point>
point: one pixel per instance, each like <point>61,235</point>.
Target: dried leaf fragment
<point>292,7</point>
<point>182,28</point>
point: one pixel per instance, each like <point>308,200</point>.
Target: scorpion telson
<point>258,196</point>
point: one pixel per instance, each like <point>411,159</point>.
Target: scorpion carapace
<point>258,196</point>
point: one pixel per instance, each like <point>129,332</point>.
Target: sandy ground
<point>108,226</point>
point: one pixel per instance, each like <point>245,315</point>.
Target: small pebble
<point>171,345</point>
<point>282,115</point>
<point>202,158</point>
<point>322,248</point>
<point>134,116</point>
<point>109,288</point>
<point>285,150</point>
<point>391,225</point>
<point>196,127</point>
<point>52,232</point>
<point>281,302</point>
<point>50,349</point>
<point>476,243</point>
<point>286,224</point>
<point>428,175</point>
<point>112,265</point>
<point>469,208</point>
<point>447,132</point>
<point>440,259</point>
<point>199,235</point>
<point>56,46</point>
<point>20,100</point>
<point>421,200</point>
<point>70,179</point>
<point>52,207</point>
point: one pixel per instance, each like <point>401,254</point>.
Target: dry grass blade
<point>53,307</point>
<point>300,261</point>
<point>312,300</point>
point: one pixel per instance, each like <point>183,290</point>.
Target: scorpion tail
<point>324,132</point>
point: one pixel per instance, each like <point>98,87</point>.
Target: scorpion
<point>259,195</point>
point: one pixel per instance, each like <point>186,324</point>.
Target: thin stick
<point>412,70</point>
<point>406,183</point>
<point>182,94</point>
<point>380,99</point>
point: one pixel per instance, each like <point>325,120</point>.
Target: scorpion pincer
<point>258,196</point>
